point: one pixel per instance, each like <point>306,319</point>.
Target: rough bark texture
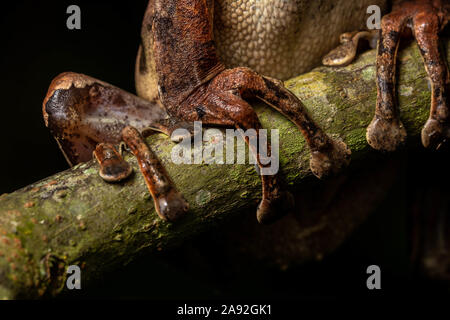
<point>74,217</point>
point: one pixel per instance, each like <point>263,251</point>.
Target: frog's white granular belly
<point>284,38</point>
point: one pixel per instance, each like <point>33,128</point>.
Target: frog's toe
<point>385,134</point>
<point>171,206</point>
<point>435,134</point>
<point>270,210</point>
<point>115,172</point>
<point>113,167</point>
<point>330,160</point>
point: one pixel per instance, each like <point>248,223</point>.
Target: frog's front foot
<point>170,205</point>
<point>426,19</point>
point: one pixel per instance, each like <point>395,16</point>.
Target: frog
<point>203,60</point>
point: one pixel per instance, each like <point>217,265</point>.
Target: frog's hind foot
<point>223,102</point>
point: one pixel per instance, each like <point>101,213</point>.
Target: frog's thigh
<point>81,112</point>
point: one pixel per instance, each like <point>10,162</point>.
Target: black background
<point>36,46</point>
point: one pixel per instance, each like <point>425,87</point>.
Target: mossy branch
<point>74,217</point>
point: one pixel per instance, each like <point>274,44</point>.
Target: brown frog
<point>183,75</point>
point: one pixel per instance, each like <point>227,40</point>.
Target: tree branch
<point>74,217</point>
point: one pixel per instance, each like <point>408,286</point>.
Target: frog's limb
<point>386,132</point>
<point>436,130</point>
<point>213,105</point>
<point>426,18</point>
<point>345,53</point>
<point>81,112</point>
<point>169,203</point>
<point>86,116</point>
<point>221,102</point>
<point>328,156</point>
<point>113,167</point>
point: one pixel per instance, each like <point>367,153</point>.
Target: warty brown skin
<point>276,38</point>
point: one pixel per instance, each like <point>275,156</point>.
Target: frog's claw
<point>113,167</point>
<point>330,160</point>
